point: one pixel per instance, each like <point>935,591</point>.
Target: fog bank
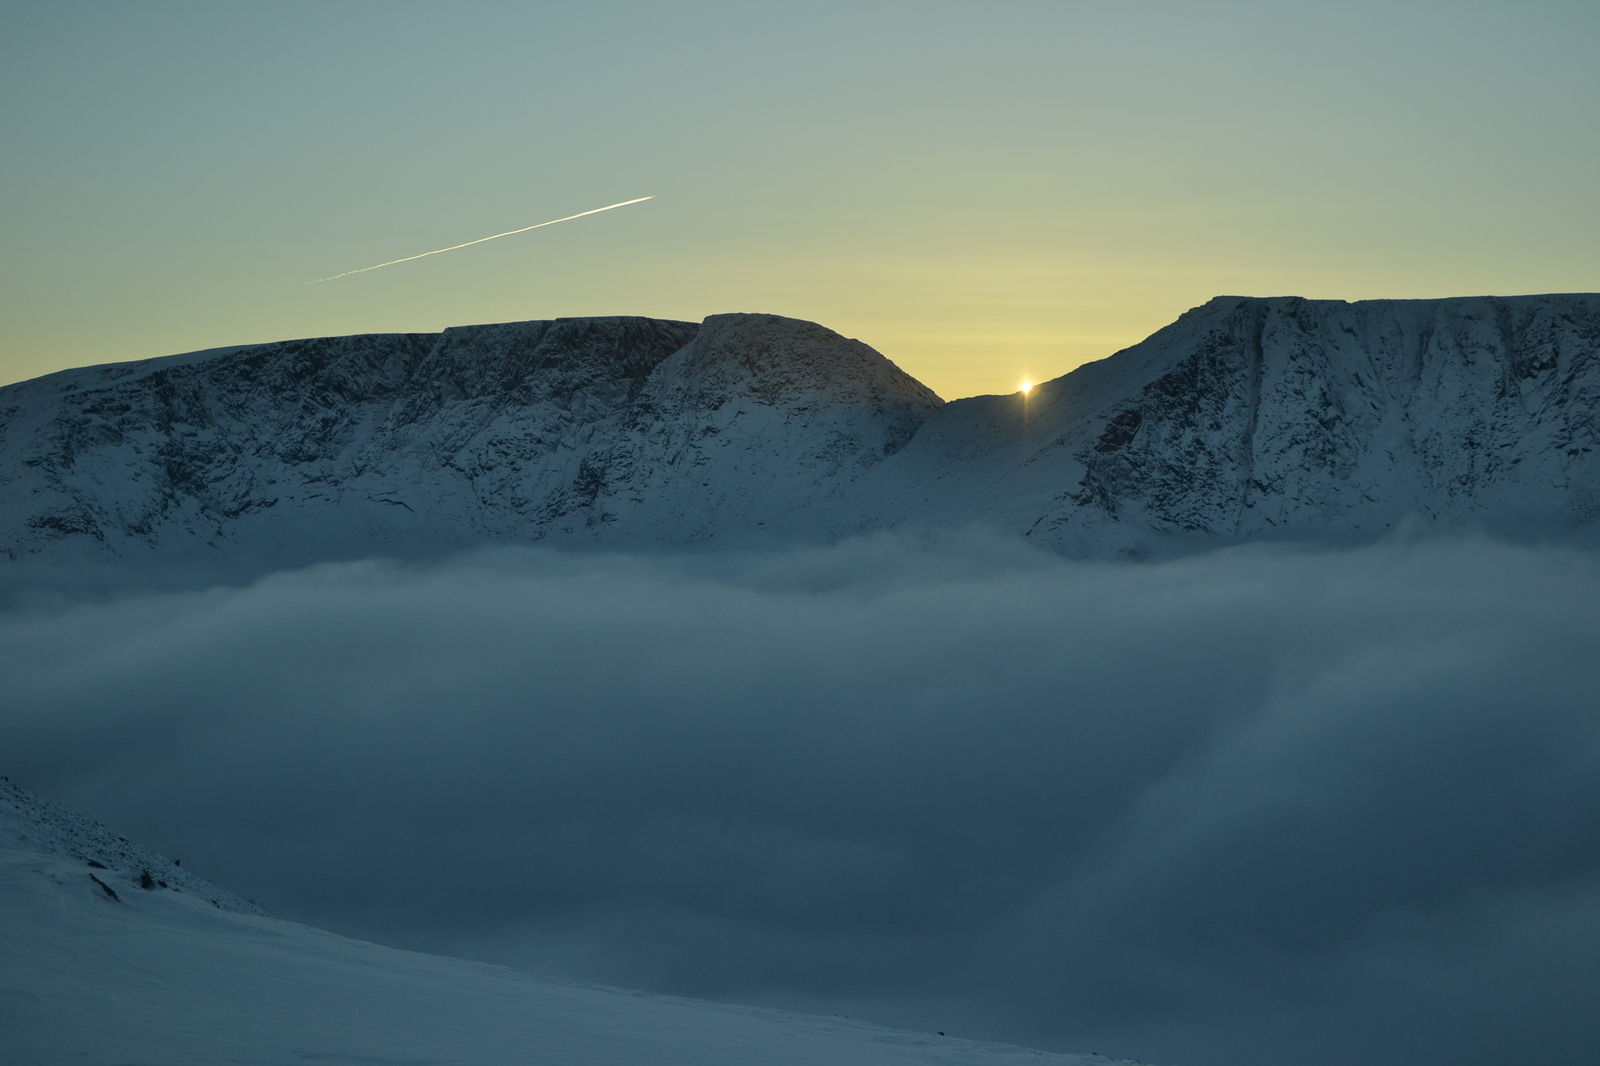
<point>1260,805</point>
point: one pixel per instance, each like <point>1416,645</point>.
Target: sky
<point>1246,808</point>
<point>983,192</point>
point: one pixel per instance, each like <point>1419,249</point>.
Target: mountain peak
<point>792,361</point>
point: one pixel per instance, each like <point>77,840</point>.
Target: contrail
<point>480,240</point>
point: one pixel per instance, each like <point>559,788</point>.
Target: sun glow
<point>1027,387</point>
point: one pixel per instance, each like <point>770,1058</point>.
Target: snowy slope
<point>33,824</point>
<point>1245,418</point>
<point>164,976</point>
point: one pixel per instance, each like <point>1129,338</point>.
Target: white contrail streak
<point>480,240</point>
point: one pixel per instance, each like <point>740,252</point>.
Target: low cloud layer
<point>1255,806</point>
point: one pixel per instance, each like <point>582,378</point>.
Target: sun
<point>1027,387</point>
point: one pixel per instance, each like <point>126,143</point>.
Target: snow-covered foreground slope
<point>29,823</point>
<point>1246,418</point>
<point>95,969</point>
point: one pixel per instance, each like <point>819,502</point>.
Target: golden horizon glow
<point>1075,220</point>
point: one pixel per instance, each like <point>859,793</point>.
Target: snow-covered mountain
<point>97,969</point>
<point>1287,418</point>
<point>1245,418</point>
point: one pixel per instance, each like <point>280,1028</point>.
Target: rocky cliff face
<point>1301,412</point>
<point>1288,417</point>
<point>417,443</point>
<point>761,426</point>
<point>1245,418</point>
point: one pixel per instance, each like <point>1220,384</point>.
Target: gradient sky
<point>982,192</point>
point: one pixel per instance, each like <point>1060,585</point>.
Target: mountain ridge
<point>1246,418</point>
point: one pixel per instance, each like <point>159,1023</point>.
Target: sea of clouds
<point>1261,805</point>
